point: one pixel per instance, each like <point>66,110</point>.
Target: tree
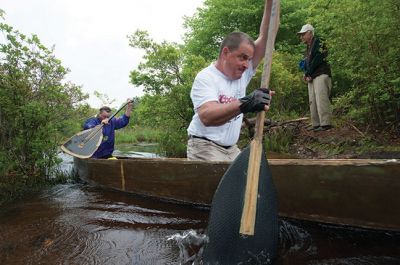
<point>166,76</point>
<point>216,19</point>
<point>35,109</point>
<point>365,55</point>
<point>104,98</point>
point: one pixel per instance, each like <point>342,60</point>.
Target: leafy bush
<point>166,76</point>
<point>35,106</point>
<point>365,58</point>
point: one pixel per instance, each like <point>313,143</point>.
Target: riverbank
<point>295,139</point>
<point>343,141</point>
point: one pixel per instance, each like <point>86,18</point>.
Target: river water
<point>78,224</point>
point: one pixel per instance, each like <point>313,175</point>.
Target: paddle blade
<point>226,245</point>
<point>85,143</point>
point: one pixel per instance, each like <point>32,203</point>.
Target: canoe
<point>355,192</point>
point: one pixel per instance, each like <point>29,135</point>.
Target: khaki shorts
<point>201,149</point>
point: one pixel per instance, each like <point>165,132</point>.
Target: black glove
<point>255,101</point>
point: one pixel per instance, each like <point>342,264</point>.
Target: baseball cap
<point>305,28</point>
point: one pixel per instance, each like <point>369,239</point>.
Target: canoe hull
<point>360,193</point>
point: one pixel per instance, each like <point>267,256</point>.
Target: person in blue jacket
<point>106,148</point>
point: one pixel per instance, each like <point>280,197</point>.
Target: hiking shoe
<point>323,128</point>
<point>326,127</point>
<point>313,128</point>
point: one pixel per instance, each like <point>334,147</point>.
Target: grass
<point>133,135</point>
<point>279,140</point>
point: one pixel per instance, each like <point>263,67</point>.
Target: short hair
<point>105,108</point>
<point>234,39</point>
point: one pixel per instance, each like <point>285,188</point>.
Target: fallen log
<point>250,122</point>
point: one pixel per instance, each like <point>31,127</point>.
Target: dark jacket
<point>106,147</point>
<point>316,59</point>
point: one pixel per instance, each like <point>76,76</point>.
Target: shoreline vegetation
<point>136,134</point>
<point>294,139</point>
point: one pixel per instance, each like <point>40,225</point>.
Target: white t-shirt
<point>211,84</point>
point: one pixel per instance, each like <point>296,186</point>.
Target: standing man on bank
<point>218,96</point>
<point>317,74</point>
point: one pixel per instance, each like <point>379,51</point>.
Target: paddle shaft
<point>247,223</point>
<point>123,106</point>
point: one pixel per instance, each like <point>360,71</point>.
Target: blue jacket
<point>106,147</point>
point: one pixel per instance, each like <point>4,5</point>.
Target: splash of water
<point>295,240</point>
<point>191,246</point>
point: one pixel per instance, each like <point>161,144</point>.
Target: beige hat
<point>305,28</point>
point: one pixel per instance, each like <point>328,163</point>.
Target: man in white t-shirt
<point>218,96</point>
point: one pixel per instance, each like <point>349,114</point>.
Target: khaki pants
<point>320,106</point>
<point>200,149</point>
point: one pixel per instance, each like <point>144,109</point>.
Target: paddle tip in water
<point>226,245</point>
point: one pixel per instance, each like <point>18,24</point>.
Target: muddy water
<point>78,224</point>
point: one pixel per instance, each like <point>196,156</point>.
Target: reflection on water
<point>321,244</point>
<point>137,150</point>
<point>78,224</point>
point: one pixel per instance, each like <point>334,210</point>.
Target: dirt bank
<point>343,141</point>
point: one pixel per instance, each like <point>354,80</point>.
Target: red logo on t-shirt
<point>225,99</point>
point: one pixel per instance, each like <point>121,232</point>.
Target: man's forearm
<point>128,111</point>
<point>215,114</point>
<point>262,37</point>
<point>265,21</point>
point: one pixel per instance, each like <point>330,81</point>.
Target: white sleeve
<point>203,90</point>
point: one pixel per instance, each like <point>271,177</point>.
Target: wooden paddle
<point>253,171</point>
<point>85,143</point>
<point>243,227</point>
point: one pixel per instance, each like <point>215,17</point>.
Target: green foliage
<point>136,134</point>
<point>366,58</point>
<point>279,140</point>
<point>162,66</point>
<point>291,92</point>
<point>294,14</point>
<point>216,19</point>
<point>35,106</point>
<point>166,75</point>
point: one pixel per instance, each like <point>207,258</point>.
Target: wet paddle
<point>85,143</point>
<point>243,224</point>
